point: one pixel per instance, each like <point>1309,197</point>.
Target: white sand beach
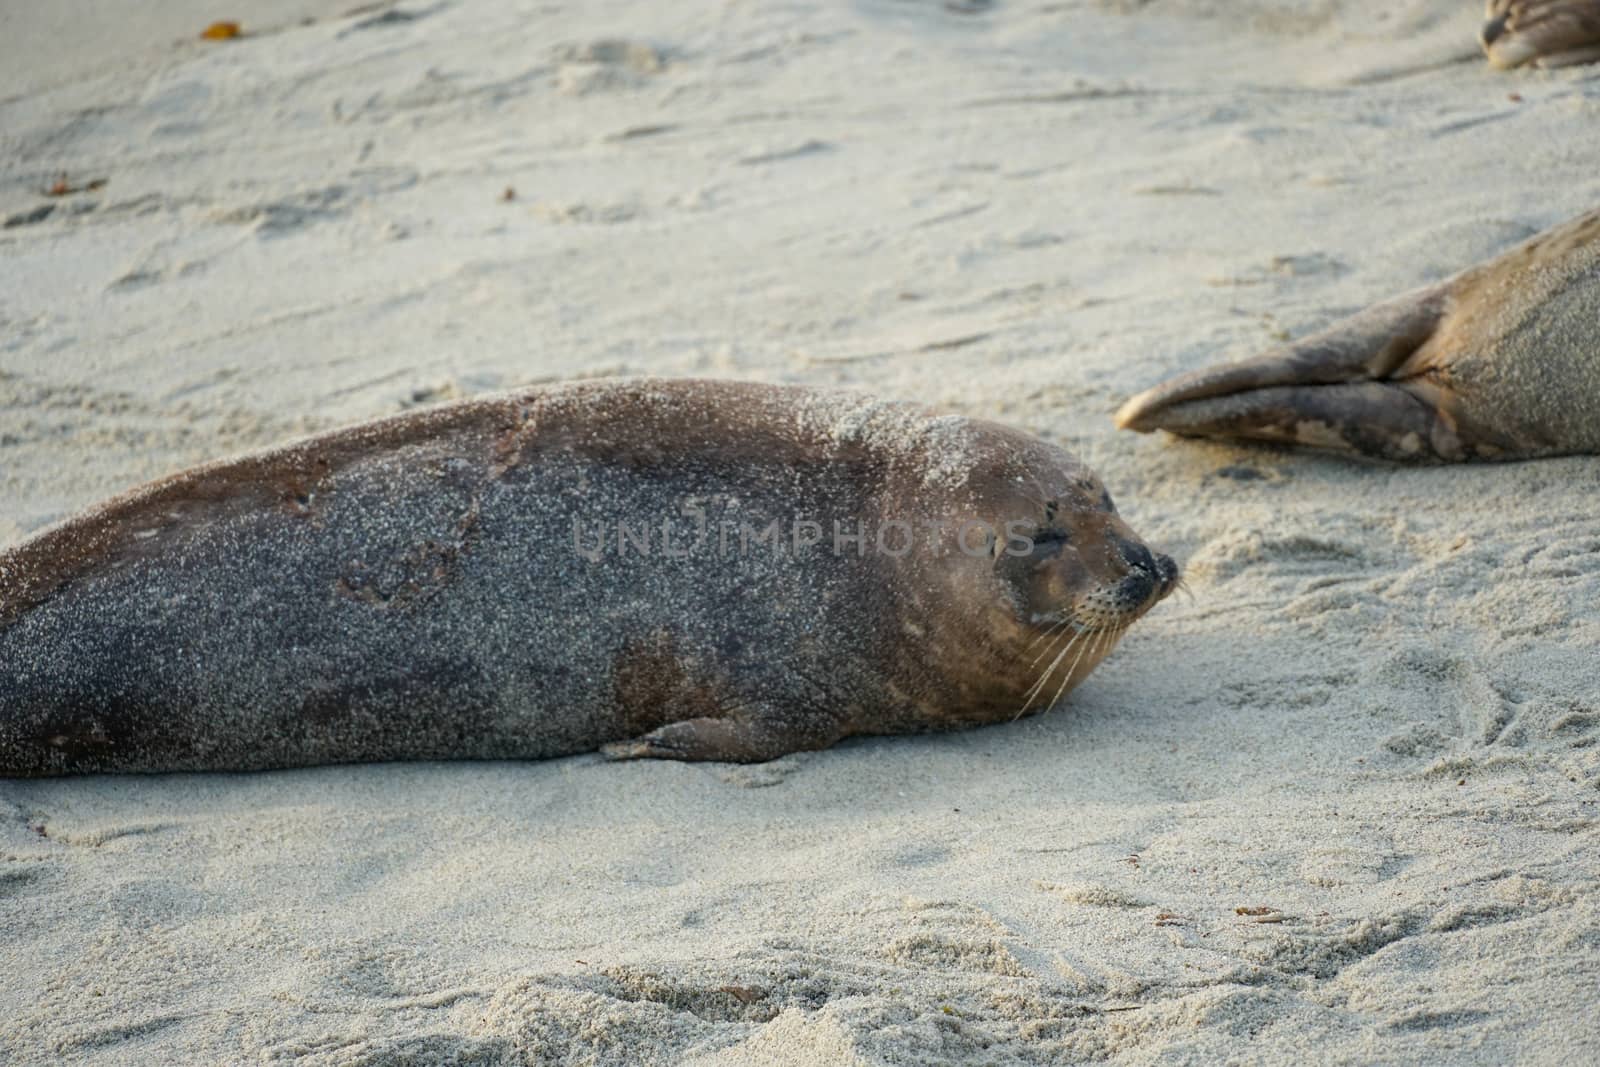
<point>1341,805</point>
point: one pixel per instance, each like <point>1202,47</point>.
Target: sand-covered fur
<point>684,569</point>
<point>1373,726</point>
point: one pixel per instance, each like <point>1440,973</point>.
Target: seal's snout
<point>1137,590</point>
<point>1150,576</point>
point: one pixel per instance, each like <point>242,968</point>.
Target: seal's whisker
<point>1065,678</point>
<point>1044,678</point>
<point>1103,639</point>
<point>1051,648</point>
<point>1048,633</point>
<point>1071,670</point>
<point>1044,675</point>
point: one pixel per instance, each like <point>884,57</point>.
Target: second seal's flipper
<point>1385,420</point>
<point>1330,390</point>
<point>1499,362</point>
<point>1545,33</point>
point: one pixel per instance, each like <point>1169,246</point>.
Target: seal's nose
<point>1168,571</point>
<point>1145,573</point>
<point>1135,555</point>
<point>1150,576</point>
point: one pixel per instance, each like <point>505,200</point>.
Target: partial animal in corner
<point>1540,33</point>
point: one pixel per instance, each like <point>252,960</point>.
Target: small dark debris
<point>806,148</point>
<point>27,218</point>
<point>634,133</point>
<point>393,17</point>
<point>954,342</point>
<point>389,18</point>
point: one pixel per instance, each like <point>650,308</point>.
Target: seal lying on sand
<point>1501,361</point>
<point>1545,33</point>
<point>682,569</point>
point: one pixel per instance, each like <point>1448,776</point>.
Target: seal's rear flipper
<point>1330,390</point>
<point>1381,419</point>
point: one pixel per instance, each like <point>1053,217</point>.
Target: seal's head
<point>1079,577</point>
<point>1071,559</point>
<point>1070,574</point>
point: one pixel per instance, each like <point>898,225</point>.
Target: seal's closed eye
<point>1050,539</point>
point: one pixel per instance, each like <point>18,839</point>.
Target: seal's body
<point>1501,361</point>
<point>697,570</point>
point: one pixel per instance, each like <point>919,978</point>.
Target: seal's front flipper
<point>1327,391</point>
<point>748,738</point>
